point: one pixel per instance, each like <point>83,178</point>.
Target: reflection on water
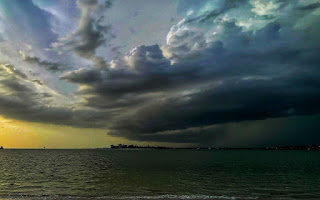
<point>159,174</point>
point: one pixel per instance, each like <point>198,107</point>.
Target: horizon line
<point>153,147</point>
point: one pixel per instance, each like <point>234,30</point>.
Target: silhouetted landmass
<point>124,146</point>
<point>313,147</point>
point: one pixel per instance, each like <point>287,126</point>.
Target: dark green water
<point>159,174</point>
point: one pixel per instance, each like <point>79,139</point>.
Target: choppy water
<point>159,174</point>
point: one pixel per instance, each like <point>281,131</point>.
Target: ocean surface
<point>159,174</point>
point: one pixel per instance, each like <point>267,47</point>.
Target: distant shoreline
<point>313,147</point>
<point>281,148</point>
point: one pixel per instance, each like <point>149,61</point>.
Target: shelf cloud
<point>224,64</point>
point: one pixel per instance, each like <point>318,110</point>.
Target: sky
<point>210,73</point>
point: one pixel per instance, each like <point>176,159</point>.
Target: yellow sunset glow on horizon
<point>20,134</point>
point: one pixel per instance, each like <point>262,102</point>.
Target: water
<point>159,174</point>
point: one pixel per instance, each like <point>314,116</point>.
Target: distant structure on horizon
<point>1,147</point>
<point>124,146</point>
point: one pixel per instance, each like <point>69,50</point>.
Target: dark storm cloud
<point>144,72</point>
<point>21,98</point>
<point>17,95</point>
<point>206,81</point>
<point>216,70</point>
<point>188,135</point>
<point>52,66</point>
<point>232,102</point>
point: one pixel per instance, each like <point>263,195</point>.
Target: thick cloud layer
<point>213,70</point>
<point>224,63</point>
<point>30,100</point>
